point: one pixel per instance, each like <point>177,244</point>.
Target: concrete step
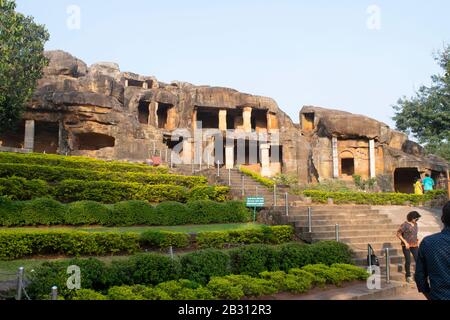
<point>352,233</point>
<point>326,216</point>
<point>302,222</point>
<point>359,239</point>
<point>372,227</point>
<point>360,249</point>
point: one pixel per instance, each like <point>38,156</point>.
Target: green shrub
<point>352,272</point>
<point>308,276</point>
<point>295,256</point>
<point>371,198</point>
<point>15,244</point>
<point>42,211</point>
<point>185,290</point>
<point>10,212</point>
<point>129,213</point>
<point>153,269</point>
<point>252,287</point>
<point>172,213</point>
<point>215,193</point>
<point>165,239</point>
<point>21,189</point>
<point>124,293</point>
<point>330,252</point>
<point>206,211</point>
<point>56,174</point>
<point>225,289</point>
<point>270,235</point>
<point>78,163</point>
<point>235,211</point>
<point>86,213</point>
<point>332,276</point>
<point>200,266</point>
<point>88,295</point>
<point>269,183</point>
<point>251,260</point>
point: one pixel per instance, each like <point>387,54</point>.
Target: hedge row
<point>371,198</point>
<point>219,239</point>
<point>57,174</point>
<point>78,163</point>
<point>233,287</point>
<point>47,212</point>
<point>107,191</point>
<point>269,183</point>
<point>15,244</point>
<point>19,243</point>
<point>199,267</point>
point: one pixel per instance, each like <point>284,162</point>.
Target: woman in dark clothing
<point>408,234</point>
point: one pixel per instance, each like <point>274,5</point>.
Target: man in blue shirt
<point>428,183</point>
<point>433,264</point>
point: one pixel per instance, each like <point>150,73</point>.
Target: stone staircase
<point>359,226</point>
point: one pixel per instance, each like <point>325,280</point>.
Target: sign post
<point>255,202</point>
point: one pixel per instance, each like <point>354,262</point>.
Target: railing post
<point>171,253</point>
<point>229,177</point>
<point>275,195</point>
<point>337,233</point>
<point>218,168</point>
<point>309,219</point>
<point>171,160</point>
<point>287,203</point>
<point>54,294</point>
<point>243,186</point>
<point>369,255</point>
<point>256,194</point>
<point>167,151</point>
<point>388,266</point>
<point>19,283</point>
<point>209,160</point>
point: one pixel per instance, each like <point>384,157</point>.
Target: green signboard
<point>255,202</point>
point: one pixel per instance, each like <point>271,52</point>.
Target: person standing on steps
<point>428,183</point>
<point>418,187</point>
<point>433,264</point>
<point>408,234</point>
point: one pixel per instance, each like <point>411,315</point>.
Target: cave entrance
<point>94,141</point>
<point>144,112</point>
<point>308,121</point>
<point>209,117</point>
<point>163,114</point>
<point>14,138</point>
<point>259,120</point>
<point>348,166</point>
<point>234,119</point>
<point>404,179</point>
<point>46,137</point>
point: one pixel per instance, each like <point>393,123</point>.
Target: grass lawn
<point>140,229</point>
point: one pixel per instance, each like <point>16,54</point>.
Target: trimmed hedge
<point>269,183</point>
<point>57,174</point>
<point>231,287</point>
<point>165,239</point>
<point>22,189</point>
<point>45,211</point>
<point>107,191</point>
<point>371,198</point>
<point>269,235</point>
<point>198,266</point>
<point>78,163</point>
<point>15,244</point>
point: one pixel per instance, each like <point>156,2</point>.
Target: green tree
<point>21,62</point>
<point>427,114</point>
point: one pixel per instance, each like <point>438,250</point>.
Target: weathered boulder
<point>64,64</point>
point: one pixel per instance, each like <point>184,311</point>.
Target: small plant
<point>364,185</point>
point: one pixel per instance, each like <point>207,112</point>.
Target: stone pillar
<point>145,85</point>
<point>334,143</point>
<point>126,83</point>
<point>373,173</point>
<point>229,154</point>
<point>153,113</point>
<point>247,116</point>
<point>194,120</point>
<point>187,151</point>
<point>223,120</point>
<point>265,160</point>
<point>29,135</point>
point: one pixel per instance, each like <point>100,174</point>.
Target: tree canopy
<point>21,62</point>
<point>426,115</point>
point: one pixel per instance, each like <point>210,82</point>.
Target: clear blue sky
<point>297,52</point>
